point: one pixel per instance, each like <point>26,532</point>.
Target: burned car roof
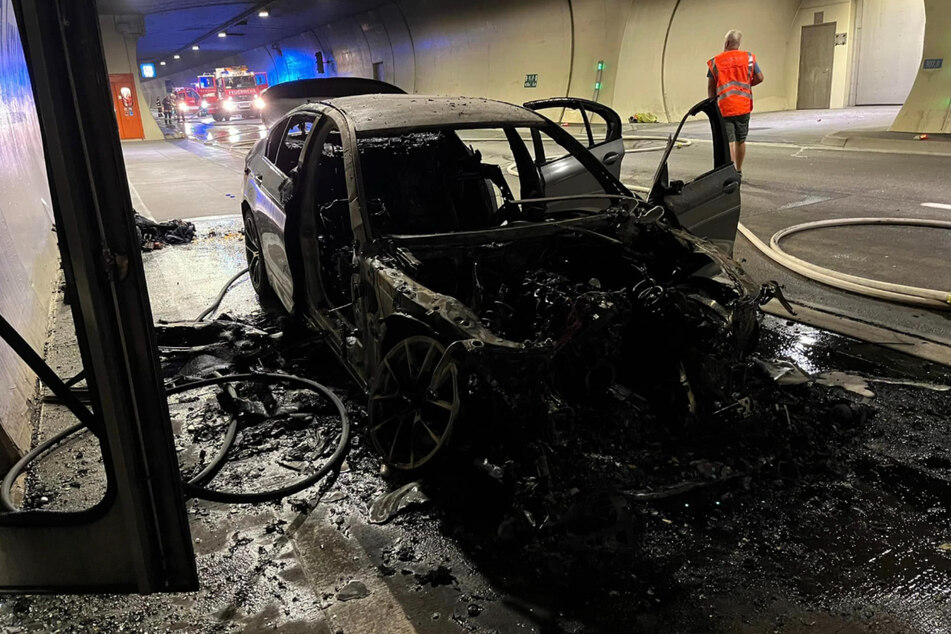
<point>390,114</point>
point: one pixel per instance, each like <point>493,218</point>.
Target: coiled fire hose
<point>194,487</point>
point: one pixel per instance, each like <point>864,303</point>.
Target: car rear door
<point>601,135</point>
<point>709,205</point>
<point>270,215</point>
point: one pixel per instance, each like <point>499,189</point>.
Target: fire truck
<point>232,91</point>
<point>189,100</point>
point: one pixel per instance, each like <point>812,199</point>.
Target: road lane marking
<point>810,199</point>
<point>138,204</point>
<point>936,205</point>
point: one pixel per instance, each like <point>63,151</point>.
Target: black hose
<point>274,494</point>
<point>193,488</point>
<point>221,295</point>
<point>79,376</point>
<point>213,467</point>
<point>6,498</point>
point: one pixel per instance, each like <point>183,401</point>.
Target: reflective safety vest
<point>733,71</point>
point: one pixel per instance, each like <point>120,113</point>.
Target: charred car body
<point>438,274</point>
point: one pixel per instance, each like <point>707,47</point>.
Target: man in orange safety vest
<point>731,76</point>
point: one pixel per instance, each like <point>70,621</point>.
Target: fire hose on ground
<point>900,293</point>
<point>194,487</point>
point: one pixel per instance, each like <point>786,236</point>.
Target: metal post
<point>137,537</point>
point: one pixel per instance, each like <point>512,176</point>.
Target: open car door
<point>709,205</point>
<point>563,175</point>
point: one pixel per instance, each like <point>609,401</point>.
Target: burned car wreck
<point>447,278</point>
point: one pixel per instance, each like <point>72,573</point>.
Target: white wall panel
<point>378,42</point>
<point>891,35</point>
<point>401,43</point>
<point>351,52</point>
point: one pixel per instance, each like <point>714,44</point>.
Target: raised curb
<point>902,342</point>
<point>896,146</point>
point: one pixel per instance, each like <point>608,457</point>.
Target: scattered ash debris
<point>613,513</point>
<point>792,504</point>
<point>154,235</point>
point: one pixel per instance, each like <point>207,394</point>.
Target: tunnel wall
<point>480,47</point>
<point>655,51</point>
<point>928,104</point>
<point>666,45</point>
<point>885,74</point>
<point>841,13</point>
<point>28,257</point>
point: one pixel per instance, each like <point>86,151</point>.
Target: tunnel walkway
<point>182,179</point>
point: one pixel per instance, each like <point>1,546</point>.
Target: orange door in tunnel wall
<point>126,104</point>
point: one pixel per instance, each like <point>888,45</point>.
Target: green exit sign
<point>531,80</point>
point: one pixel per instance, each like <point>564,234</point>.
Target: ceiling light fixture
<point>178,56</point>
<point>161,63</point>
<point>223,34</point>
<point>263,13</point>
<point>195,47</point>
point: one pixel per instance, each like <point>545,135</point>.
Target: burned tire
<point>413,408</point>
<point>256,268</point>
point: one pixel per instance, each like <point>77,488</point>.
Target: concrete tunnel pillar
<point>120,35</point>
<point>928,106</point>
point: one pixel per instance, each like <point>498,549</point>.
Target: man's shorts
<point>737,127</point>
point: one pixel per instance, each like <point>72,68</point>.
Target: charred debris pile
<point>577,469</point>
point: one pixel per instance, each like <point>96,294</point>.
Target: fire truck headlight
<point>204,103</point>
<point>258,103</point>
<point>230,106</point>
<point>183,107</point>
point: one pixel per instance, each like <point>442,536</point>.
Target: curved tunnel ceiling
<point>173,26</point>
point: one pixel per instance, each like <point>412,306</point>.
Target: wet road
<point>827,512</point>
<point>237,135</point>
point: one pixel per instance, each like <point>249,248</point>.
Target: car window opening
<point>335,237</point>
<point>444,181</point>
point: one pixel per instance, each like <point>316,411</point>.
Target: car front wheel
<point>414,403</point>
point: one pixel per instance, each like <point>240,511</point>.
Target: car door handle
<point>610,158</point>
<point>730,186</point>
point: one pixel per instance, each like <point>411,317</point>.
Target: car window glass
<point>559,114</point>
<point>547,151</point>
<point>599,129</point>
<point>274,141</point>
<point>683,165</point>
<point>292,143</point>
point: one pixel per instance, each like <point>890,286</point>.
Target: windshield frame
<point>612,186</point>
